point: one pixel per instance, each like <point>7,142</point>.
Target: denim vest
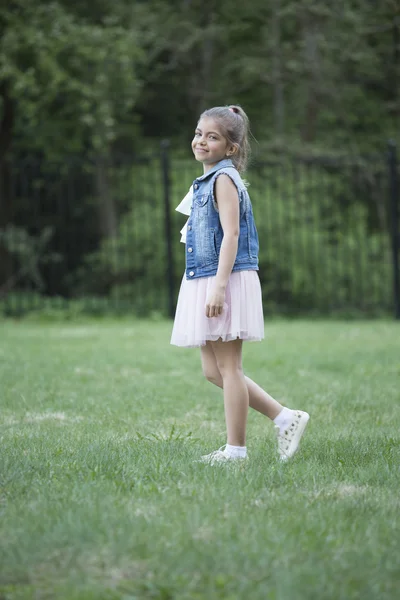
<point>204,231</point>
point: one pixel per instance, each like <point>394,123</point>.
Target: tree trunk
<point>312,62</point>
<point>107,213</point>
<point>200,95</point>
<point>396,64</point>
<point>6,128</point>
<point>277,78</point>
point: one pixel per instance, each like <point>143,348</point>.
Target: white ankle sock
<point>236,451</point>
<point>284,418</point>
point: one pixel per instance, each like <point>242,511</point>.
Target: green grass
<point>101,497</point>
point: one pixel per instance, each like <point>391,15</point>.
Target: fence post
<point>395,233</point>
<point>165,166</point>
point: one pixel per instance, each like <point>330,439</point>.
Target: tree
<point>73,78</point>
<point>68,83</point>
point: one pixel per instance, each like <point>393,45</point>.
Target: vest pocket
<point>214,243</point>
<point>201,200</point>
<point>205,245</point>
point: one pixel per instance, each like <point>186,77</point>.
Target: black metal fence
<point>104,235</point>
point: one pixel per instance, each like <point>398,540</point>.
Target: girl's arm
<point>228,205</point>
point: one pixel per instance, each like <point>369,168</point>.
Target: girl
<point>219,304</point>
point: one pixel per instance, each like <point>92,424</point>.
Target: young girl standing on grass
<point>219,304</point>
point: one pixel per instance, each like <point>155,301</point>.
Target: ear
<point>232,150</point>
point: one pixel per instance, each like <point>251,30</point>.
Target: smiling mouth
<point>200,150</point>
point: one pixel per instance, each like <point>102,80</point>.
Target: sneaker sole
<point>226,461</point>
<point>294,446</point>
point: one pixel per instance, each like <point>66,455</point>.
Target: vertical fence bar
<point>394,209</point>
<point>165,166</point>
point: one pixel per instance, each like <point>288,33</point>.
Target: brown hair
<point>236,129</point>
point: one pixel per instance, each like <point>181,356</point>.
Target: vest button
<point>189,227</point>
<point>196,185</point>
<point>190,249</point>
<point>191,273</point>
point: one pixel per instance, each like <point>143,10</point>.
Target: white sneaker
<point>219,457</point>
<point>289,440</point>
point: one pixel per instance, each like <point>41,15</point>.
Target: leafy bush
<point>29,253</point>
<point>318,252</point>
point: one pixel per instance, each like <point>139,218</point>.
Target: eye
<point>213,137</point>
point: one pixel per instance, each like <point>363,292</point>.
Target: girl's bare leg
<point>291,423</point>
<point>259,399</point>
<point>228,357</point>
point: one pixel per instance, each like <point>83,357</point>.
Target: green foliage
<point>29,253</point>
<point>131,266</point>
<point>73,79</point>
<point>306,71</point>
<point>321,251</point>
<point>317,252</point>
<point>81,74</point>
<point>94,79</point>
<point>33,305</point>
<point>316,255</point>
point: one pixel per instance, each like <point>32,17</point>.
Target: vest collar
<point>225,162</point>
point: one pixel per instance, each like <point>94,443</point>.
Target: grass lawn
<point>101,497</point>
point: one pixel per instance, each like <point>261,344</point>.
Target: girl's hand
<point>215,301</point>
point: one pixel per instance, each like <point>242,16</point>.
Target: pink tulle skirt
<point>242,316</point>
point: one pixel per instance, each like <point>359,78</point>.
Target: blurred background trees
<point>79,76</point>
<point>94,83</point>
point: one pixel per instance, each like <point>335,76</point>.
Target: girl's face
<point>209,145</point>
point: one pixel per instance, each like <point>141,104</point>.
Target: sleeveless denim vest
<point>204,231</point>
